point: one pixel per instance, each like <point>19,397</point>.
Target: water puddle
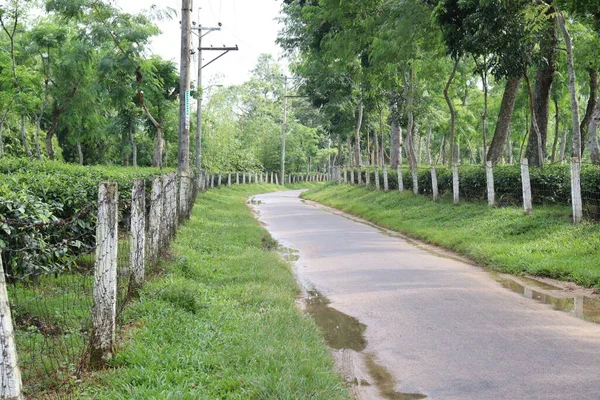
<point>289,254</point>
<point>341,331</point>
<point>385,381</point>
<point>583,307</point>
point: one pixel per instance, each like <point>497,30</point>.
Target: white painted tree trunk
<point>10,374</point>
<point>455,184</point>
<point>400,181</point>
<point>345,176</point>
<point>137,257</point>
<point>352,176</point>
<point>244,178</point>
<point>156,210</point>
<point>386,184</point>
<point>434,184</point>
<point>377,179</point>
<point>367,178</point>
<point>490,184</point>
<point>220,179</point>
<point>526,182</point>
<point>576,190</point>
<point>237,178</point>
<point>415,179</point>
<point>277,179</point>
<point>104,311</point>
<point>229,179</point>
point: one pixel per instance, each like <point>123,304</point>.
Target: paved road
<point>442,327</point>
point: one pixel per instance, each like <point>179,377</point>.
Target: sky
<point>250,24</point>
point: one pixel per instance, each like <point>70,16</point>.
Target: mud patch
<point>385,381</point>
<point>341,331</point>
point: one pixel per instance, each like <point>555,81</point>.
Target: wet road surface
<point>437,326</point>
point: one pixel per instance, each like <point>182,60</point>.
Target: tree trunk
<point>535,129</point>
<point>452,158</point>
<point>502,131</point>
<point>591,105</point>
<point>50,135</point>
<point>593,135</point>
<point>359,119</point>
<point>80,153</point>
<point>576,151</point>
<point>563,145</point>
<point>556,130</point>
<point>38,128</point>
<point>158,148</point>
<point>1,127</point>
<point>536,147</point>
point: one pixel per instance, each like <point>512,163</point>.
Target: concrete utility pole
<point>183,160</point>
<point>283,131</point>
<point>225,50</point>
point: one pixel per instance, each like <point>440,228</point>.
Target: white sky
<point>250,24</point>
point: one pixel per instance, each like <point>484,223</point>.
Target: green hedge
<point>550,185</point>
<point>35,193</point>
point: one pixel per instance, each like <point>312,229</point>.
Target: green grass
<point>220,322</point>
<point>504,239</point>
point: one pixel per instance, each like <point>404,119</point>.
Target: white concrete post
<point>489,171</point>
<point>10,374</point>
<point>434,184</point>
<point>137,257</point>
<point>156,210</point>
<point>527,203</point>
<point>104,310</point>
<point>455,184</point>
<point>386,183</point>
<point>576,190</point>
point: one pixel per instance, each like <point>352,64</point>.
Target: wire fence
<point>69,280</point>
<point>574,185</point>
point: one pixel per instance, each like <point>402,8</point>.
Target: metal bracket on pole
<point>224,49</point>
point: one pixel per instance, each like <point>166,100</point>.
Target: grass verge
<point>544,244</point>
<point>220,323</point>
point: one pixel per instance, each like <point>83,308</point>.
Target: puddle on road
<point>385,381</point>
<point>341,331</point>
<point>289,254</point>
<point>583,307</point>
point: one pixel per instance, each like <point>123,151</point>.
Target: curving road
<point>441,327</point>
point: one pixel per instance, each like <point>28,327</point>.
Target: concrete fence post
<point>489,172</point>
<point>576,190</point>
<point>10,374</point>
<point>104,310</point>
<point>137,257</point>
<point>156,210</point>
<point>434,184</point>
<point>386,183</point>
<point>526,183</point>
<point>400,181</point>
<point>183,190</point>
<point>455,184</point>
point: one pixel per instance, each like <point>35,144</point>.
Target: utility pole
<point>183,160</point>
<point>283,131</point>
